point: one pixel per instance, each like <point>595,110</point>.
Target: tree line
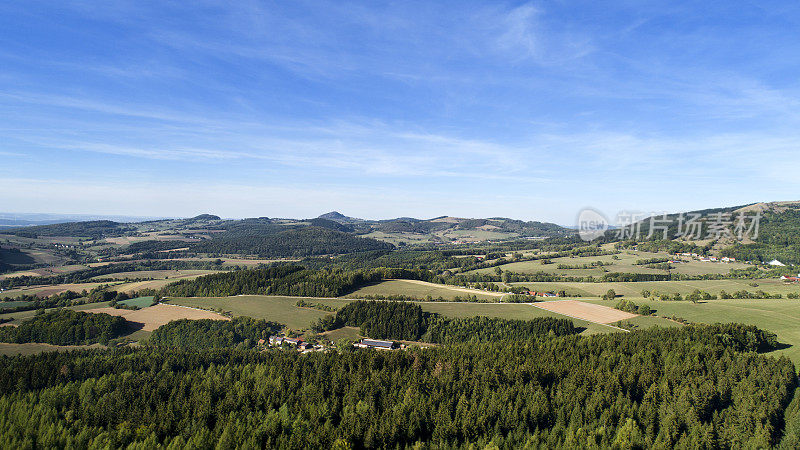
<point>407,321</point>
<point>241,332</point>
<point>91,272</point>
<point>286,280</point>
<point>696,386</point>
<point>66,327</point>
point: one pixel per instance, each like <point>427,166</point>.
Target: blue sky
<point>478,109</point>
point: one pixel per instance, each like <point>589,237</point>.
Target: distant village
<point>697,257</point>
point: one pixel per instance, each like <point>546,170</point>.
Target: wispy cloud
<point>502,104</point>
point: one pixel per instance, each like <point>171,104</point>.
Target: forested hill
<point>690,387</point>
<point>285,280</point>
<point>778,233</point>
<point>91,229</point>
<point>280,242</point>
<point>778,237</point>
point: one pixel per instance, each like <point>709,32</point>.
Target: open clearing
<point>275,308</point>
<point>422,289</point>
<point>511,311</point>
<point>155,284</point>
<point>284,310</point>
<point>44,291</point>
<point>154,316</point>
<point>348,333</point>
<point>780,316</point>
<point>645,322</point>
<point>159,274</point>
<point>634,289</point>
<point>12,304</point>
<point>19,316</point>
<point>46,271</point>
<point>626,263</point>
<point>139,302</point>
<point>7,349</point>
<point>585,311</point>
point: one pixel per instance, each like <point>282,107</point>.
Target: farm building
<point>791,279</point>
<point>541,294</point>
<point>775,262</point>
<point>278,340</point>
<point>374,343</point>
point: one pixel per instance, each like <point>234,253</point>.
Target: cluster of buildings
<point>305,347</point>
<point>791,279</point>
<point>697,257</point>
<point>540,294</point>
<point>277,341</point>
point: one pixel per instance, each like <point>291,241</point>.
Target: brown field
<point>585,311</point>
<point>153,317</point>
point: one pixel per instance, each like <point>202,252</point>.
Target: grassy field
<point>12,304</point>
<point>780,316</point>
<point>152,284</point>
<point>626,263</point>
<point>419,290</point>
<point>140,302</point>
<point>349,333</point>
<point>46,271</point>
<point>22,315</point>
<point>397,238</point>
<point>475,235</point>
<point>634,289</point>
<point>505,311</point>
<point>50,290</point>
<point>284,310</point>
<point>7,349</point>
<point>645,322</point>
<point>159,274</point>
<point>278,309</point>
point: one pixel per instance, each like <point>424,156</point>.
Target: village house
<point>541,294</point>
<point>279,340</point>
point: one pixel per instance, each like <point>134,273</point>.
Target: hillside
<point>90,229</point>
<point>778,232</point>
<point>778,237</point>
<point>279,242</point>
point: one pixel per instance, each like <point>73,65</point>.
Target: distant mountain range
<point>448,228</point>
<point>29,219</point>
<point>337,233</point>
